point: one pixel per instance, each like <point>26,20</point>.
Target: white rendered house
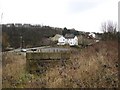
<point>69,39</point>
<point>61,41</point>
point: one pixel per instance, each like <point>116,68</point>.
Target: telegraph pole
<point>21,41</point>
<point>1,18</point>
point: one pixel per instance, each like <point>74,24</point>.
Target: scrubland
<point>94,66</point>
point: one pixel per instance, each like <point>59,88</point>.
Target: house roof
<point>56,37</point>
<point>69,36</point>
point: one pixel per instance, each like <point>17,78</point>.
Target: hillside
<point>31,36</point>
<point>91,67</point>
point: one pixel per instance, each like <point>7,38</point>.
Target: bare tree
<point>109,26</point>
<point>104,27</point>
<point>109,29</point>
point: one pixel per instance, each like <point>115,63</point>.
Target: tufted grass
<point>95,66</point>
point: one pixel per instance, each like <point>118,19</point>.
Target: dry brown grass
<point>92,67</point>
<point>97,65</point>
<point>0,70</point>
<point>12,68</point>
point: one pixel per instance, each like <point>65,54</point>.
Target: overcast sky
<point>82,15</point>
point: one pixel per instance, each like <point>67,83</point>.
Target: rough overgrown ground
<point>91,67</point>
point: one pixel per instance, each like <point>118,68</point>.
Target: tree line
<point>27,36</point>
<point>31,36</point>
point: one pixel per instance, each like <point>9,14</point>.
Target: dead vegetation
<point>95,66</point>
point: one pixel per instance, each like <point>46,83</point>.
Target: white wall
<point>71,42</point>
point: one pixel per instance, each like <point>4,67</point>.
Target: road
<point>39,49</point>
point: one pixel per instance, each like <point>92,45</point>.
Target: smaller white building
<point>69,39</point>
<point>91,35</point>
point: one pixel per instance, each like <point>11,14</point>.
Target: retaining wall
<point>41,61</point>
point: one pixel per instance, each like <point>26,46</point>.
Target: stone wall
<point>40,62</point>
